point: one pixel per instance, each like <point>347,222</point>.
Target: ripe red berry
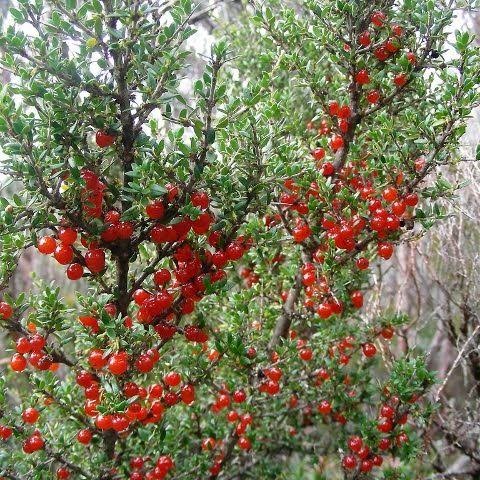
<point>74,271</point>
<point>385,250</point>
<point>357,299</point>
<point>411,199</point>
<point>387,411</point>
<point>349,462</point>
<point>333,108</point>
<point>324,407</point>
<point>103,139</point>
<point>63,254</point>
<point>155,210</point>
<point>336,142</point>
<point>362,263</point>
<point>95,260</point>
<point>364,39</point>
<point>318,153</point>
<point>67,235</point>
<point>96,359</point>
<point>362,77</point>
<point>244,443</point>
<point>384,444</point>
<point>63,473</point>
<point>172,379</point>
<point>378,18</point>
<point>400,80</point>
<point>46,245</point>
<point>369,349</point>
<point>118,363</point>
<point>355,443</point>
<point>162,276</point>
<point>366,466</point>
<point>37,342</point>
<point>84,436</point>
<point>103,422</point>
<point>6,311</point>
<point>200,200</point>
<point>373,96</point>
<point>385,426</point>
<point>188,394</point>
<point>30,415</point>
<point>239,396</point>
<point>324,310</point>
<point>18,363</point>
<point>390,194</point>
<point>306,354</point>
<point>144,363</point>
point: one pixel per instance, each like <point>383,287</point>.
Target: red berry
<point>362,77</point>
<point>46,245</point>
<point>366,466</point>
<point>373,96</point>
<point>369,349</point>
<point>336,142</point>
<point>385,426</point>
<point>355,443</point>
<point>96,359</point>
<point>333,108</point>
<point>95,260</point>
<point>67,235</point>
<point>188,394</point>
<point>103,139</point>
<point>155,210</point>
<point>349,462</point>
<point>144,363</point>
<point>324,407</point>
<point>357,299</point>
<point>239,396</point>
<point>200,200</point>
<point>172,379</point>
<point>74,271</point>
<point>385,250</point>
<point>6,311</point>
<point>84,436</point>
<point>63,254</point>
<point>37,342</point>
<point>384,444</point>
<point>378,18</point>
<point>30,415</point>
<point>318,153</point>
<point>244,443</point>
<point>118,363</point>
<point>162,276</point>
<point>390,194</point>
<point>387,411</point>
<point>362,263</point>
<point>387,333</point>
<point>18,363</point>
<point>63,473</point>
<point>364,39</point>
<point>103,422</point>
<point>400,80</point>
<point>411,199</point>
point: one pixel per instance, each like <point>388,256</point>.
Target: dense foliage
<point>221,238</point>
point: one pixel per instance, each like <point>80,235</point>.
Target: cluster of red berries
<point>148,408</point>
<point>362,456</point>
<point>31,350</point>
<point>161,467</point>
<point>242,421</point>
<point>65,252</point>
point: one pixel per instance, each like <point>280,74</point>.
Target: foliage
<point>225,235</point>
